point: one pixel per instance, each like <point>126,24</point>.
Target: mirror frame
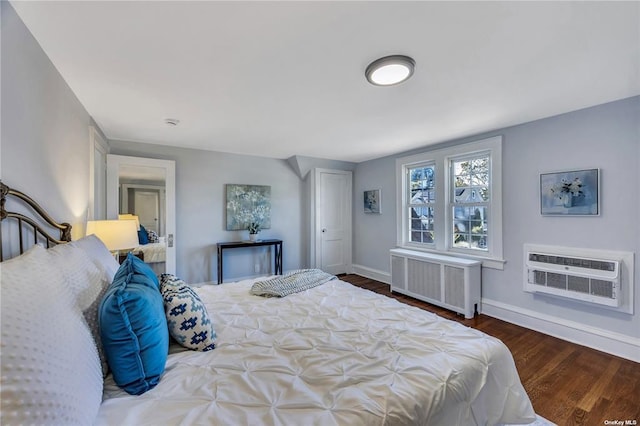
<point>113,203</point>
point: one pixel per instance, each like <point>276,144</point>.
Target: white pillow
<point>87,284</point>
<point>49,364</point>
<point>99,254</point>
<point>81,274</point>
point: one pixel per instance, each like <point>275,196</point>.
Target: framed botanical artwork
<point>372,201</point>
<point>570,193</point>
<point>248,205</point>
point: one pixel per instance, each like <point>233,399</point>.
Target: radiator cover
<point>447,281</point>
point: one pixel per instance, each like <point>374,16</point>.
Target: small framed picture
<point>571,193</point>
<point>372,201</point>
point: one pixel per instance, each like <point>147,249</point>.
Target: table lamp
<point>115,234</point>
<point>130,216</point>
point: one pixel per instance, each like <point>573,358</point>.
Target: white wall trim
<point>596,338</point>
<point>96,143</point>
<point>372,274</point>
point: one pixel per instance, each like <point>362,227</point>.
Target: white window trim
<point>491,259</point>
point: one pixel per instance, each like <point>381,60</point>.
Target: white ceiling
<point>278,79</point>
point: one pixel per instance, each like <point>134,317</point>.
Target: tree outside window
<point>470,202</point>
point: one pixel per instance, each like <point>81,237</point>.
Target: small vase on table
<point>253,228</point>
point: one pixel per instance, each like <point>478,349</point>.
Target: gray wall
<point>45,129</point>
<point>605,137</point>
<point>200,209</point>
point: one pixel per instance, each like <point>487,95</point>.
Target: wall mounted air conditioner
<point>598,277</point>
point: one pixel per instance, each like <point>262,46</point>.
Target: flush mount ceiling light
<point>390,70</point>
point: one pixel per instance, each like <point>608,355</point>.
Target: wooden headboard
<point>28,230</point>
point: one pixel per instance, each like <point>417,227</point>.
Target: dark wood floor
<point>567,383</point>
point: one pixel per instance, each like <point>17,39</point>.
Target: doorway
<point>331,220</point>
<point>146,187</point>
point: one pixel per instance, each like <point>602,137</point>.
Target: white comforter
<point>331,355</point>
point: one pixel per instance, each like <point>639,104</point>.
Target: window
<point>421,200</point>
<point>450,201</point>
<point>470,202</point>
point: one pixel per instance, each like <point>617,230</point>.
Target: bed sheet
<point>153,252</point>
<point>332,355</point>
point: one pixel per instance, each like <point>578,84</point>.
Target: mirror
<point>145,187</point>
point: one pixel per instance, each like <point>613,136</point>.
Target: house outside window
<point>450,201</point>
<point>421,203</point>
<point>470,202</point>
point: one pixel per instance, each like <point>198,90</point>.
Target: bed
<point>154,254</point>
<point>333,354</point>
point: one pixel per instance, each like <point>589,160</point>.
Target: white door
<point>147,208</point>
<point>333,220</point>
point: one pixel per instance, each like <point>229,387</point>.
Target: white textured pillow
<point>49,365</point>
<point>87,284</point>
<point>82,276</point>
<point>99,254</point>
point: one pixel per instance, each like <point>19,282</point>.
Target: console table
<point>277,260</point>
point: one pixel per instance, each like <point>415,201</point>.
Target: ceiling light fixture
<point>172,121</point>
<point>390,70</point>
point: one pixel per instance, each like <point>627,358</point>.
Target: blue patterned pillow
<point>187,317</point>
<point>152,236</point>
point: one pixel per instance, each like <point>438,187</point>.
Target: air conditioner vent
<point>573,261</point>
<point>585,275</point>
<point>579,284</point>
<point>602,288</point>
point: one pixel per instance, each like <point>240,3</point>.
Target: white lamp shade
<point>115,234</point>
<point>130,216</point>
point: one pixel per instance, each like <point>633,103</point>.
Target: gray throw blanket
<point>293,282</point>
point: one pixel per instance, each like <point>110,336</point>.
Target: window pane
<point>422,224</point>
<point>470,227</point>
<point>479,165</point>
<point>462,180</point>
<point>480,179</point>
<point>471,180</point>
<point>421,177</point>
<point>422,196</point>
<point>422,237</point>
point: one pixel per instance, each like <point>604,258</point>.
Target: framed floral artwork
<point>372,201</point>
<point>570,193</point>
<point>248,206</point>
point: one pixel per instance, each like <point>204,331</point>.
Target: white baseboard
<point>372,274</point>
<point>596,338</point>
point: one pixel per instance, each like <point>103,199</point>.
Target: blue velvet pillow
<point>133,327</point>
<point>143,237</point>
